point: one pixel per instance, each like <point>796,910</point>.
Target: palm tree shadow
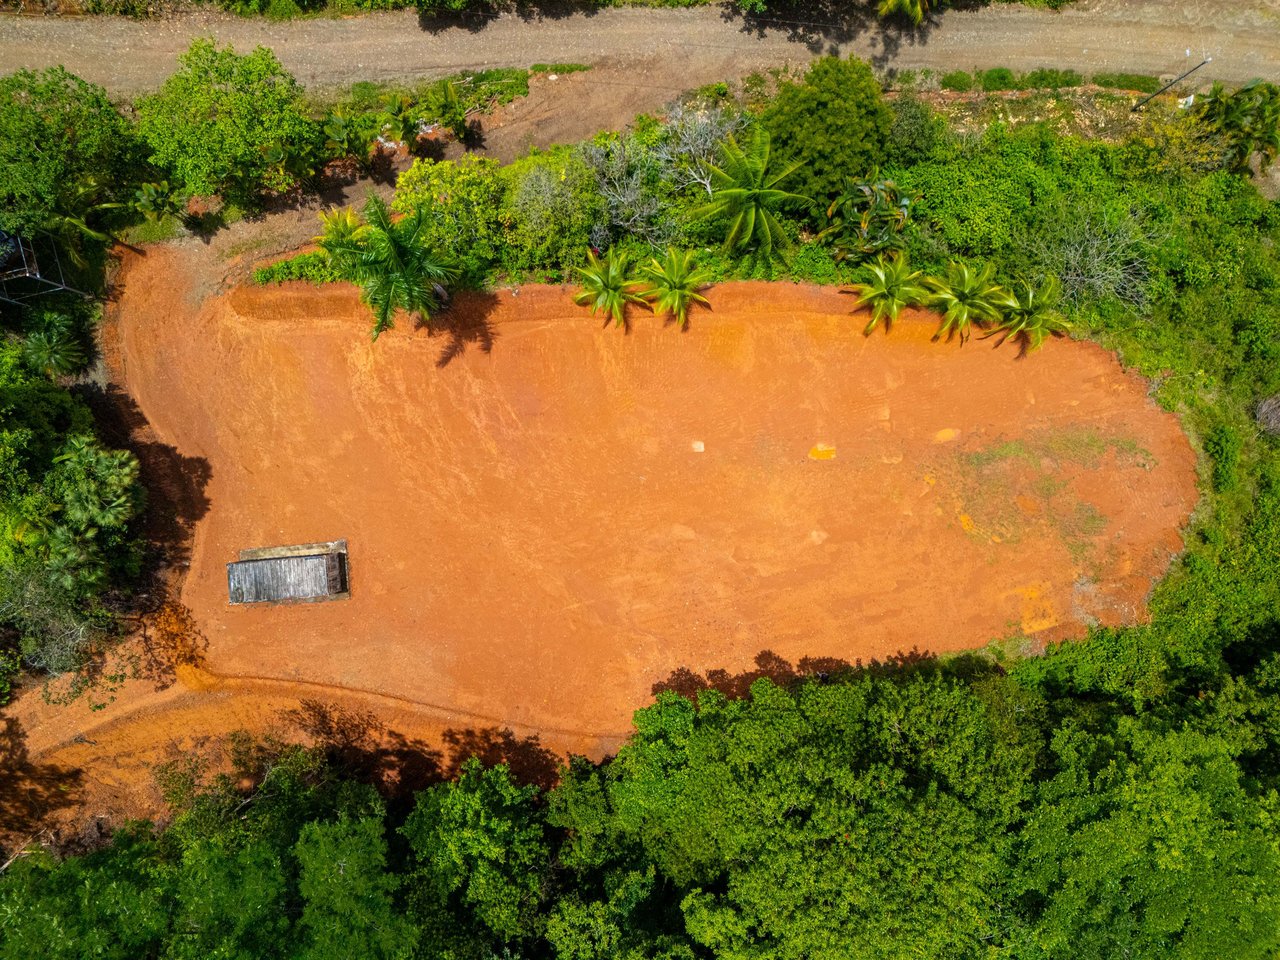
<point>463,323</point>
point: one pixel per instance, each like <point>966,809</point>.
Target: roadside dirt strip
<point>649,55</point>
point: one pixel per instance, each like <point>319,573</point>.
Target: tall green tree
<point>347,891</point>
<point>390,261</point>
<point>834,124</point>
<point>58,133</point>
<point>480,840</point>
<point>213,123</point>
<point>747,191</point>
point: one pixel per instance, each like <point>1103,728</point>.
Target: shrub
<point>57,134</point>
<point>1223,445</point>
<point>998,78</point>
<point>214,123</point>
<point>916,131</point>
<point>549,207</point>
<point>314,266</point>
<point>957,80</point>
<point>1047,79</point>
<point>1127,81</point>
<point>460,202</point>
<point>835,123</point>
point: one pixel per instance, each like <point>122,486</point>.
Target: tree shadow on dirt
<point>168,638</point>
<point>689,683</point>
<point>175,483</point>
<point>526,757</point>
<point>475,21</point>
<point>824,25</point>
<point>361,746</point>
<point>29,792</point>
<point>463,324</point>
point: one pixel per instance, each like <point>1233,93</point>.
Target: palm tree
<point>607,285</point>
<point>349,136</point>
<point>914,9</point>
<point>157,200</point>
<point>968,298</point>
<point>674,282</point>
<point>893,285</point>
<point>1034,315</point>
<point>100,487</point>
<point>867,218</point>
<point>342,226</point>
<point>1248,119</point>
<point>744,189</point>
<point>389,260</point>
<point>70,216</point>
<point>444,106</point>
<point>400,121</point>
<point>54,352</point>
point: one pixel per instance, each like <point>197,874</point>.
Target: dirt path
<point>646,56</point>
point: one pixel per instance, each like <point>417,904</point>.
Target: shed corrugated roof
<point>276,579</point>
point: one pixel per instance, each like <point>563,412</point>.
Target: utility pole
<point>1176,80</point>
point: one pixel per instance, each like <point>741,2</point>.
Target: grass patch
<point>1138,82</point>
<point>559,68</point>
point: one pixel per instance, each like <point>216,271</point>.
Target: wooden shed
<point>308,572</point>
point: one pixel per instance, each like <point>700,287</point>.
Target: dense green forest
<point>1114,797</point>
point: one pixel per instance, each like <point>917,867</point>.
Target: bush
<point>314,267</point>
<point>1127,81</point>
<point>461,202</point>
<point>548,209</point>
<point>58,134</point>
<point>1051,79</point>
<point>1223,445</point>
<point>835,123</point>
<point>916,131</point>
<point>229,123</point>
<point>958,81</point>
<point>998,78</point>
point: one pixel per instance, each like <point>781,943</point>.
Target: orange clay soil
<point>548,517</point>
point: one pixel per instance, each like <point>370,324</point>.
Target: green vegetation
<point>673,284</point>
<point>891,285</point>
<point>833,125</point>
<point>907,809</point>
<point>229,123</point>
<point>394,268</point>
<point>608,285</point>
<point>1115,797</point>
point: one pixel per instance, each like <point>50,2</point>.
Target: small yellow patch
<point>1037,609</point>
<point>822,451</point>
<point>966,523</point>
<point>946,436</point>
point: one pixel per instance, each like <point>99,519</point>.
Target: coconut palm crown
<point>749,193</point>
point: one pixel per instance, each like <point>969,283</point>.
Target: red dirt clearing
<point>546,518</point>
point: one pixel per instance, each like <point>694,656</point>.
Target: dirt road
<point>651,54</point>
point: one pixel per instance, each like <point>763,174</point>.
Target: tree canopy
<point>226,122</point>
<point>834,123</point>
<point>58,133</point>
